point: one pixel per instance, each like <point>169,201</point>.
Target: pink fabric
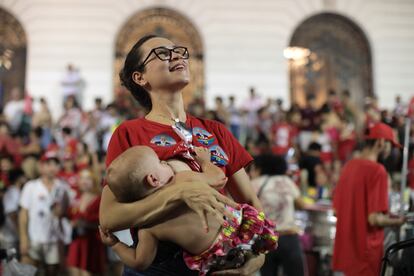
<point>250,228</point>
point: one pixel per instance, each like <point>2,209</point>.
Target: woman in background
<point>86,253</point>
<point>279,195</point>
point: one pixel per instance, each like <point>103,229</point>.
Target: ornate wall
<point>340,59</point>
<point>12,55</point>
<point>172,25</point>
<point>243,42</point>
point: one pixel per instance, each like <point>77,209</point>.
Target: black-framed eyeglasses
<point>164,53</point>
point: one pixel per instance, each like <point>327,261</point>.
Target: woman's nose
<point>175,56</point>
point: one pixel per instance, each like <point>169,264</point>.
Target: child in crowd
<point>86,253</point>
<point>138,172</point>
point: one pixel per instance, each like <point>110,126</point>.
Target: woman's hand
<point>249,268</point>
<point>203,199</point>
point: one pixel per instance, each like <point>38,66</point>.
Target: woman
<point>86,253</point>
<point>279,195</point>
<point>155,72</point>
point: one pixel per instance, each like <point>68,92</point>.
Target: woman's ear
<point>138,78</point>
<point>152,180</point>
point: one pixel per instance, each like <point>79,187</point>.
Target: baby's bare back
<point>185,229</point>
<point>183,226</point>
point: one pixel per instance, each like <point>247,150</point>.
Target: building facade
<point>238,44</point>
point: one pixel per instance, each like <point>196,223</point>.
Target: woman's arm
<point>115,216</point>
<point>241,190</point>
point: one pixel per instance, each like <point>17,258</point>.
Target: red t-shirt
<point>361,190</point>
<point>283,135</point>
<point>226,151</point>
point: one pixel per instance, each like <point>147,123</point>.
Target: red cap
<point>68,156</point>
<point>50,154</point>
<point>382,131</point>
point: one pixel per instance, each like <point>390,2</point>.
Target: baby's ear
<point>152,180</point>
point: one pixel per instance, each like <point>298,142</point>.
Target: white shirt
<point>278,198</point>
<point>13,111</point>
<point>11,200</point>
<point>252,105</point>
<point>37,199</point>
<point>9,231</point>
<point>71,83</point>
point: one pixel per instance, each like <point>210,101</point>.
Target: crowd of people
<point>314,139</point>
<point>52,169</point>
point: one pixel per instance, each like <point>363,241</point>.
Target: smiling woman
<point>155,72</point>
<point>172,25</point>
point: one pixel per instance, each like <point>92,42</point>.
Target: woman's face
<point>164,75</point>
<point>85,181</point>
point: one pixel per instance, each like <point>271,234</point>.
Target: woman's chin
<point>181,84</point>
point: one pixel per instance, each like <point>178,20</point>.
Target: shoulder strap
<point>259,193</point>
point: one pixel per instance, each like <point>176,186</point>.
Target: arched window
<point>13,45</point>
<point>169,24</point>
<point>334,54</point>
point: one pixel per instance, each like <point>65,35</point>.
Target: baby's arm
<point>211,174</point>
<point>214,176</point>
<point>139,258</point>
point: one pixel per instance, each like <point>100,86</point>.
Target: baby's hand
<point>107,237</point>
<point>202,154</point>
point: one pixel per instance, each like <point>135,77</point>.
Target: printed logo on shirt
<point>203,136</point>
<point>163,140</point>
<point>218,156</point>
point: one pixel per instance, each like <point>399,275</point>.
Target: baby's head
<point>136,173</point>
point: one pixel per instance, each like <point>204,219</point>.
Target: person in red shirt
<point>411,171</point>
<point>86,253</point>
<point>361,205</point>
<point>155,72</point>
<point>283,134</point>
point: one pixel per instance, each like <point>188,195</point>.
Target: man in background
<point>361,205</point>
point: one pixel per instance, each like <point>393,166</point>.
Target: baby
<point>138,172</point>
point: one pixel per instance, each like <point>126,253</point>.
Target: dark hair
<point>15,174</point>
<point>38,131</point>
<point>346,93</point>
<point>369,143</point>
<point>310,97</point>
<point>67,130</point>
<point>315,146</point>
<point>270,164</point>
<point>7,156</point>
<point>132,64</point>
